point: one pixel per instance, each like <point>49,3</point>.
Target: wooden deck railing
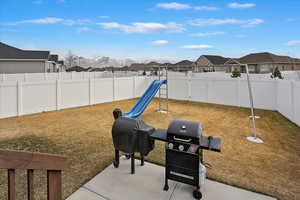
<point>54,164</point>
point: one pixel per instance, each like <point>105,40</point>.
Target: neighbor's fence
<point>26,97</point>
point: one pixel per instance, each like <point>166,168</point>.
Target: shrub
<point>235,73</point>
<point>276,74</point>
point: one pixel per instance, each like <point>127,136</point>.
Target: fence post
<point>58,94</point>
<point>238,92</point>
<point>91,91</point>
<point>114,97</point>
<point>276,94</point>
<point>189,85</point>
<point>134,86</point>
<point>1,102</point>
<point>208,85</point>
<point>293,100</point>
<point>19,98</point>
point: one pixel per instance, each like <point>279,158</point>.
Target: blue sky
<point>158,29</point>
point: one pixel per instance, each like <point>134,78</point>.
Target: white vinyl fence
<point>26,97</point>
<point>20,98</point>
<point>29,77</point>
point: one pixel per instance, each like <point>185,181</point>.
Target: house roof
<point>266,57</point>
<point>9,52</point>
<point>184,63</point>
<point>53,57</point>
<point>216,60</point>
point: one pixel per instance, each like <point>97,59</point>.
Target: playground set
<point>184,140</point>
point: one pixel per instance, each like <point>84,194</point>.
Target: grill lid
<point>184,128</point>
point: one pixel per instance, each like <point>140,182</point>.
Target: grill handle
<point>182,140</point>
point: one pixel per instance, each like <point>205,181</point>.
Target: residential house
<point>14,60</point>
<point>210,63</point>
<point>182,66</point>
<point>263,63</point>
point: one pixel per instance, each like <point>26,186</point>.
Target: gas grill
<point>184,144</point>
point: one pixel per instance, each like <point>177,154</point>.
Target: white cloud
<point>201,46</point>
<point>208,34</point>
<point>173,5</point>
<point>213,21</point>
<point>47,20</point>
<point>207,8</point>
<point>241,5</point>
<point>293,43</point>
<point>82,29</point>
<point>51,20</point>
<point>160,42</point>
<point>139,27</point>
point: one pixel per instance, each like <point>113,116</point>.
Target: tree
<point>235,73</point>
<point>70,59</point>
<point>276,74</point>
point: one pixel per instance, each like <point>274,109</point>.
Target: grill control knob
<point>181,147</point>
<point>171,145</point>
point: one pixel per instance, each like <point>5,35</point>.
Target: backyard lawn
<point>83,135</point>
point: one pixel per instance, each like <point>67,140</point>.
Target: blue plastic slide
<point>144,101</point>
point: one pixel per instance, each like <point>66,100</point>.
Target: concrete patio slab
<point>86,194</point>
<point>147,184</point>
<point>213,190</point>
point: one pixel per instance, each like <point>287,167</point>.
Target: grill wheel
<point>197,194</point>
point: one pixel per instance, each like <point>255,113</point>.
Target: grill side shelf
<point>159,134</point>
<point>210,143</point>
<point>214,144</point>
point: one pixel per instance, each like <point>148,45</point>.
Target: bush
<point>236,73</point>
<point>276,74</point>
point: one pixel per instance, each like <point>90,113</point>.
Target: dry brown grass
<point>83,135</point>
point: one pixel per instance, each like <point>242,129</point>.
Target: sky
<point>153,29</point>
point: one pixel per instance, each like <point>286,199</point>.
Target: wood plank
<point>54,185</point>
<point>30,189</point>
<point>10,159</point>
<point>11,184</point>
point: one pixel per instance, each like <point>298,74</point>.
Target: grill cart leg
<point>142,160</point>
<point>117,159</point>
<point>132,164</point>
<point>166,187</point>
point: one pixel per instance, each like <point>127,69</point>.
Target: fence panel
<point>8,99</point>
<point>199,90</point>
<point>264,94</point>
<point>123,88</point>
<point>284,99</point>
<point>296,102</point>
<point>38,97</point>
<point>178,89</point>
<point>223,92</point>
<point>104,91</point>
<point>74,93</point>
